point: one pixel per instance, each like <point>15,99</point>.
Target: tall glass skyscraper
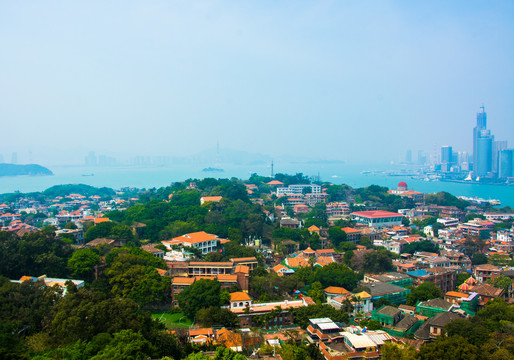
<point>505,157</point>
<point>446,154</point>
<point>481,125</point>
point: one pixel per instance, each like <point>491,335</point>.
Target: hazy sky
<point>361,80</point>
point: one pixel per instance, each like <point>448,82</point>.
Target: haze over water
<point>350,174</point>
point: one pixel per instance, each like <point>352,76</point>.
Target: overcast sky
<point>359,80</point>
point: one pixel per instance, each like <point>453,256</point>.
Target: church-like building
<point>403,191</point>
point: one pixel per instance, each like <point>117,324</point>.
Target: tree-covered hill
<point>16,170</point>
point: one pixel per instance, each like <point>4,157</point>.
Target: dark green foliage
<point>337,192</point>
<point>303,314</point>
<point>24,306</point>
<point>472,216</point>
<point>371,324</point>
<point>475,334</point>
<point>337,236</point>
<point>461,278</point>
<point>445,199</point>
<point>378,195</point>
<point>83,314</point>
<point>35,254</point>
<point>270,286</point>
<point>335,275</point>
<point>377,262</point>
<point>235,215</point>
<point>127,344</point>
<point>234,250</point>
<point>317,216</point>
<point>501,282</point>
<point>202,294</point>
<point>132,274</point>
<point>423,292</point>
<point>479,259</point>
<point>111,230</point>
<point>299,178</point>
<point>449,348</point>
<point>214,315</point>
<point>82,262</point>
<point>424,245</point>
<point>381,302</point>
<point>86,190</point>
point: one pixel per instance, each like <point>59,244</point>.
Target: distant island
<point>213,169</point>
<point>31,170</point>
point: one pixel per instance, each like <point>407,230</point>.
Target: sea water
<point>155,177</point>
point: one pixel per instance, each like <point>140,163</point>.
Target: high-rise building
<point>484,163</point>
<point>408,156</point>
<point>446,154</point>
<point>14,158</point>
<point>505,158</point>
<point>422,159</point>
<point>497,147</point>
<point>462,157</point>
<point>481,125</point>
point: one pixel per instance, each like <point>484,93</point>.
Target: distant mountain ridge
<point>30,170</point>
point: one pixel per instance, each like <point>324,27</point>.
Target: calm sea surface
<point>117,177</point>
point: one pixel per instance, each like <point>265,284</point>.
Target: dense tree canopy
<point>425,245</point>
<point>423,292</point>
<point>35,254</point>
<point>82,262</point>
<point>377,261</point>
<point>202,294</point>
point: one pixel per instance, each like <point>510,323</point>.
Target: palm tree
<point>347,305</point>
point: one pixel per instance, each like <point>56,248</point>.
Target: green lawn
<point>172,320</point>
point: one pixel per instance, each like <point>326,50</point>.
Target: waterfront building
<point>481,125</point>
<point>484,164</point>
<point>446,154</point>
<point>505,159</point>
<point>498,146</point>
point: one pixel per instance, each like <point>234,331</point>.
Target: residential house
<point>205,199</point>
<point>443,278</point>
<point>387,315</point>
<point>353,235</point>
<point>332,292</point>
<point>394,294</point>
<point>433,327</point>
<point>433,307</point>
<point>485,272</point>
<point>200,240</point>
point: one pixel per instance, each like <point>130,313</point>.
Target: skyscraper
<point>497,147</point>
<point>408,156</point>
<point>481,125</point>
<point>505,158</point>
<point>484,163</point>
<point>446,154</point>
